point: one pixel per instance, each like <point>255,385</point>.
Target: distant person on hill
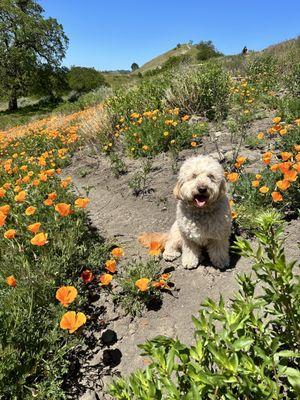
<point>245,51</point>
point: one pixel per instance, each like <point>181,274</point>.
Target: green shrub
<point>261,71</point>
<point>147,95</point>
<point>132,299</point>
<point>276,185</point>
<point>83,79</point>
<point>206,51</point>
<point>171,63</point>
<point>94,97</point>
<point>249,350</point>
<point>201,91</point>
<point>292,80</point>
<point>154,132</point>
<point>33,348</point>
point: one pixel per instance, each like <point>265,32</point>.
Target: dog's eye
<point>211,177</point>
<point>194,176</point>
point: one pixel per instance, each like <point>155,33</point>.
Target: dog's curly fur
<point>203,217</point>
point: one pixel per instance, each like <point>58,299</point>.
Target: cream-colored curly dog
<point>203,217</point>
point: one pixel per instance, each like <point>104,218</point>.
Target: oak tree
<point>28,42</point>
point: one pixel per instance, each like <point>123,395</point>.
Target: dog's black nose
<point>202,190</point>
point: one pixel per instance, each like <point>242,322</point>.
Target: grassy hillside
<point>184,49</point>
<point>232,61</point>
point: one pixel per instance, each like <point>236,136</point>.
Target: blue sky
<point>112,34</point>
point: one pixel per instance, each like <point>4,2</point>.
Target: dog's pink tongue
<point>200,201</point>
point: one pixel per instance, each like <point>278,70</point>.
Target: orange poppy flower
<point>52,196</point>
<point>297,166</point>
<point>82,202</point>
<point>21,196</point>
<point>48,202</point>
<point>283,131</point>
<point>194,144</point>
<point>155,248</point>
<point>30,210</point>
<point>87,276</point>
<point>11,281</point>
<point>111,266</point>
<point>276,196</point>
<point>185,118</point>
<point>142,284</point>
<point>285,166</point>
<point>264,189</point>
<point>240,161</point>
<point>297,147</point>
<point>10,234</point>
<point>5,209</point>
<point>291,175</point>
<point>258,176</point>
<point>2,192</point>
<point>276,120</point>
<point>233,177</point>
<point>165,277</point>
<point>2,218</point>
<point>160,285</point>
<point>43,177</point>
<point>40,239</point>
<point>267,157</point>
<point>34,228</point>
<point>63,209</point>
<point>260,135</point>
<point>271,131</point>
<point>255,184</point>
<point>72,321</point>
<point>36,182</point>
<point>286,155</point>
<point>274,167</point>
<point>66,295</point>
<point>117,252</point>
<point>64,183</point>
<point>283,185</point>
<point>105,279</point>
<point>277,127</point>
<point>6,186</point>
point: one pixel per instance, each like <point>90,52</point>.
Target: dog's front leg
<point>218,251</point>
<point>191,253</point>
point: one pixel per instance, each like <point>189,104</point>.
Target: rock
<point>89,395</point>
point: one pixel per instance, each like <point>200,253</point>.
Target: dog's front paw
<point>171,255</point>
<point>221,263</point>
<point>189,261</point>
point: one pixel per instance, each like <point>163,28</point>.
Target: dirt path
<point>119,216</point>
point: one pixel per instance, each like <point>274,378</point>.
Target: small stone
<point>89,395</point>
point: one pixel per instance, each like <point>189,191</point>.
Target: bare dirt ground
<point>120,217</point>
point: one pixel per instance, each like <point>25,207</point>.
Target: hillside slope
<point>156,62</point>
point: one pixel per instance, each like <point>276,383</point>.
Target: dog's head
<point>201,182</point>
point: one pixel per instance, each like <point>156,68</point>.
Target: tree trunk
<point>13,103</point>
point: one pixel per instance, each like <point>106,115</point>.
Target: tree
<point>134,66</point>
<point>207,50</point>
<point>49,81</point>
<point>84,79</point>
<point>28,42</point>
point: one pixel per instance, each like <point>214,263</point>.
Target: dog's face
<point>201,182</point>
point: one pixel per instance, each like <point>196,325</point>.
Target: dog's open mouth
<point>200,200</point>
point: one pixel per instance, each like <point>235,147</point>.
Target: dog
<point>203,216</point>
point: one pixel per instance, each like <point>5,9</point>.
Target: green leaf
<point>243,343</point>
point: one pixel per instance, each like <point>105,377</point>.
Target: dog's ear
<point>223,186</point>
<point>177,192</point>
